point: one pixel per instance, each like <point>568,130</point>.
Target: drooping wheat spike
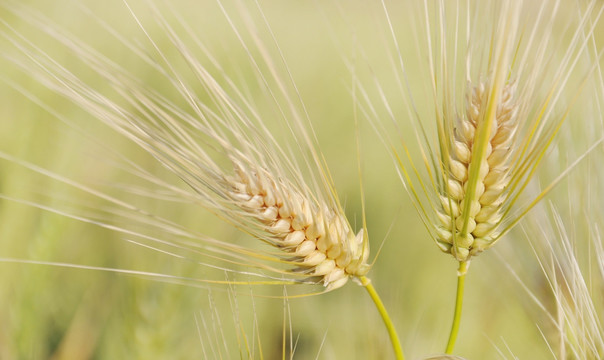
<point>220,138</point>
<point>278,191</point>
<point>319,239</point>
<point>500,87</point>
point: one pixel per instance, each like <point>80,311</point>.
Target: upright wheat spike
<point>495,116</point>
<point>476,231</point>
<point>497,79</point>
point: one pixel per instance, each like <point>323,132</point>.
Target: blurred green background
<point>56,312</point>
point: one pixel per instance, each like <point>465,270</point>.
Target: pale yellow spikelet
<point>482,220</point>
<point>316,238</point>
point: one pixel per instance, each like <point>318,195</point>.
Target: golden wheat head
<point>500,89</point>
<point>279,192</point>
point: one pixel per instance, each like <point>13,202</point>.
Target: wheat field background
<point>56,311</point>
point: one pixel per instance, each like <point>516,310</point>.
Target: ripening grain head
<point>318,237</point>
<point>501,77</point>
<point>217,143</point>
<point>472,227</point>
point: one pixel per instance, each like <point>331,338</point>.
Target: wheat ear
<point>265,192</point>
<point>319,240</point>
<point>495,117</point>
<point>496,83</point>
<point>476,231</point>
<point>273,186</point>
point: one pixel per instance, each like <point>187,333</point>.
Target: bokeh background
<point>61,312</point>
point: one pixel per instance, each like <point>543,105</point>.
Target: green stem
<point>461,277</point>
<point>396,344</point>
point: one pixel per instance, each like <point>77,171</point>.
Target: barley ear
<point>478,171</point>
<point>315,238</point>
